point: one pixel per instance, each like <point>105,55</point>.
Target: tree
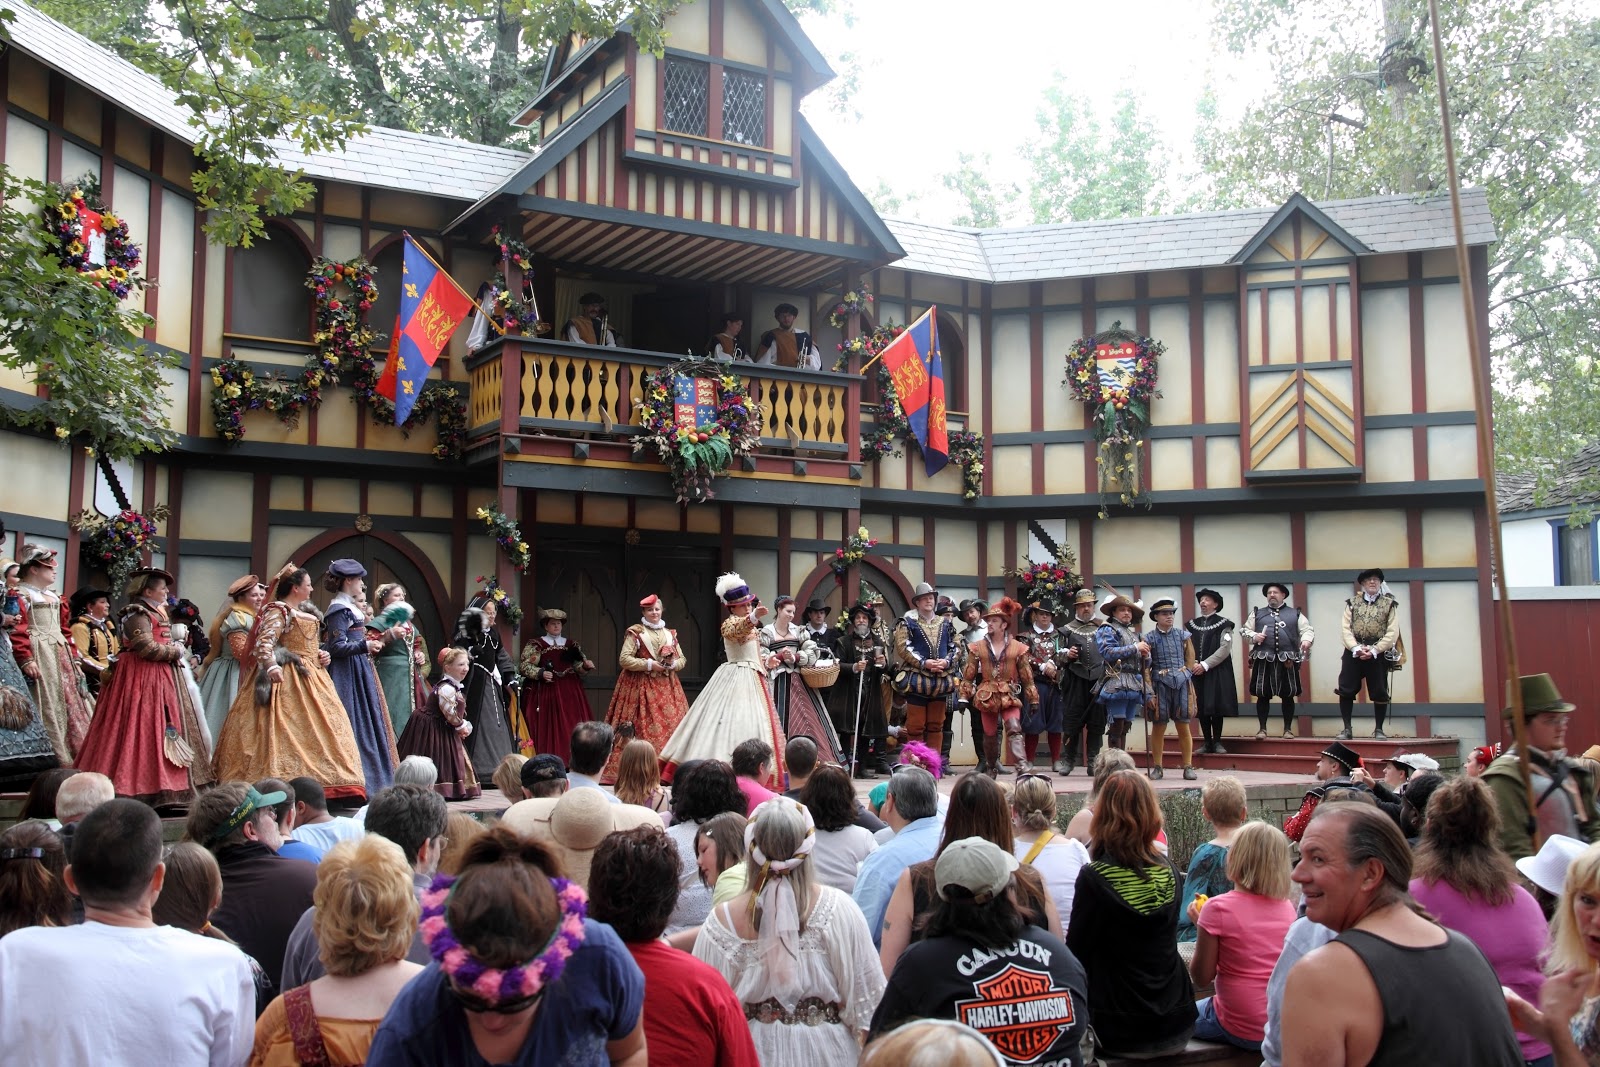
<point>1080,170</point>
<point>1353,112</point>
<point>986,204</point>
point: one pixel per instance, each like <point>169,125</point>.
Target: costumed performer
<point>1171,670</point>
<point>1372,649</point>
<point>725,342</point>
<point>148,735</point>
<point>857,696</point>
<point>439,729</point>
<point>230,642</point>
<point>593,325</point>
<point>1125,689</point>
<point>404,659</point>
<point>787,648</point>
<point>648,701</point>
<point>1216,691</point>
<point>347,643</point>
<point>491,686</point>
<point>42,642</point>
<point>25,749</point>
<point>1049,655</point>
<point>94,635</point>
<point>786,346</point>
<point>1085,715</point>
<point>736,704</point>
<point>924,672</point>
<point>1280,637</point>
<point>287,721</point>
<point>553,701</point>
<point>997,681</point>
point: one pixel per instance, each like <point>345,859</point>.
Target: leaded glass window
<point>744,108</point>
<point>688,85</point>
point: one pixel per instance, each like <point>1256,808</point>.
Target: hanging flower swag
<point>507,534</point>
<point>1114,372</point>
<point>508,306</point>
<point>117,543</point>
<point>344,292</point>
<point>1051,581</point>
<point>504,604</point>
<point>83,229</point>
<point>853,551</point>
<point>696,455</point>
<point>854,302</point>
<point>891,426</point>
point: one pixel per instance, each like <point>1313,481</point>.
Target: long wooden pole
<point>1480,392</point>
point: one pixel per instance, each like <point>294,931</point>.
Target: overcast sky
<point>939,83</point>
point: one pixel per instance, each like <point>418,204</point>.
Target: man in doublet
<point>1171,669</point>
<point>593,326</point>
<point>1047,653</point>
<point>787,346</point>
<point>924,650</point>
<point>1084,714</point>
<point>1371,631</point>
<point>1215,689</point>
<point>1280,636</point>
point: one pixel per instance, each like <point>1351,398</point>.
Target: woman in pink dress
<point>553,701</point>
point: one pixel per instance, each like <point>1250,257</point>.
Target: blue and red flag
<point>915,366</point>
<point>432,305</point>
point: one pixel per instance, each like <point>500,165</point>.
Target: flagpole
<point>420,247</point>
<point>879,356</point>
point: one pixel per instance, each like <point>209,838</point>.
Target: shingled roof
<point>1171,242</point>
<point>1574,484</point>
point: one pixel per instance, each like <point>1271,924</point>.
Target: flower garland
<point>512,249</point>
<point>891,426</point>
<point>1051,580</point>
<point>79,223</point>
<point>507,534</point>
<point>1114,372</point>
<point>344,293</point>
<point>854,302</point>
<point>853,551</point>
<point>696,455</point>
<point>867,345</point>
<point>493,986</point>
<point>504,604</point>
<point>117,543</point>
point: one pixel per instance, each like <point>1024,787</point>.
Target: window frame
<point>717,67</point>
<point>1558,559</point>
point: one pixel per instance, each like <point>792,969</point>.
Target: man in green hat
<point>1562,788</point>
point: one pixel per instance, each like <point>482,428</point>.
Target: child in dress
<point>438,729</point>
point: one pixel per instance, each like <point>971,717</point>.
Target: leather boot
<point>991,755</point>
<point>1019,752</point>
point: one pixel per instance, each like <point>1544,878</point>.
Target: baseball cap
<point>979,866</point>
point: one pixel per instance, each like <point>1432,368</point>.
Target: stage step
<point>1299,755</point>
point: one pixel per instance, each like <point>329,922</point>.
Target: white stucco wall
<point>1530,552</point>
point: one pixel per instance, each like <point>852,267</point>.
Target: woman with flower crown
<point>797,953</point>
<point>520,975</point>
<point>736,704</point>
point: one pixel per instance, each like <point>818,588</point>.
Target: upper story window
<point>744,108</point>
<point>269,295</point>
<point>685,99</point>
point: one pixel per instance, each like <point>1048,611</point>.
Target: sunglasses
<point>477,1005</point>
<point>1034,775</point>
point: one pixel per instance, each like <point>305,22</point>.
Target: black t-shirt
<point>1030,999</point>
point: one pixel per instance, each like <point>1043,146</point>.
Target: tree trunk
<point>1398,67</point>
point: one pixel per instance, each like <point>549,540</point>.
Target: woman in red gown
<point>648,701</point>
<point>553,701</point>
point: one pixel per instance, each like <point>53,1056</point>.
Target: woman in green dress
<point>404,657</point>
<point>230,637</point>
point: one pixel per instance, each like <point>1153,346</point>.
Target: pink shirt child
<point>1249,929</point>
<point>755,794</point>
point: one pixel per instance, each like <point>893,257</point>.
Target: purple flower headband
<point>491,985</point>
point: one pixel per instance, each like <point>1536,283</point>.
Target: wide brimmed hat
<point>731,590</point>
<point>859,608</point>
<point>32,555</point>
<point>1548,868</point>
<point>546,614</point>
<point>816,604</point>
<point>1004,608</point>
<point>1214,595</point>
<point>1083,596</point>
<point>583,818</point>
<point>973,602</point>
<point>242,586</point>
<point>83,598</point>
<point>1539,695</point>
<point>923,589</point>
<point>1044,604</point>
<point>1343,755</point>
<point>977,865</point>
<point>140,580</point>
<point>1370,572</point>
<point>591,297</point>
<point>1120,601</point>
<point>1416,761</point>
<point>1287,592</point>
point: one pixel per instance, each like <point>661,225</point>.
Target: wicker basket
<point>822,675</point>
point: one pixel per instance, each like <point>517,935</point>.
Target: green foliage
<point>1083,170</point>
<point>987,204</point>
<point>103,386</point>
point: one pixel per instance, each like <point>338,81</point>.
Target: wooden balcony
<point>575,409</point>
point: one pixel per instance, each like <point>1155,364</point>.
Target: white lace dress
<point>838,973</point>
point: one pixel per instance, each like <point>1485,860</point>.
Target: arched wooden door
<point>386,562</point>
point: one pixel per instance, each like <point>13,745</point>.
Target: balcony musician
<point>593,327</point>
<point>725,342</point>
<point>787,346</point>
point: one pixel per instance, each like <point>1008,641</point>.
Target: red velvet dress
<point>551,709</point>
<point>649,700</point>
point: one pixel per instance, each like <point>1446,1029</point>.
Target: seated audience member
<point>411,816</point>
<point>591,747</point>
<point>313,826</point>
<point>263,894</point>
<point>639,777</point>
<point>32,889</point>
<point>544,781</point>
<point>1392,987</point>
<point>284,811</point>
<point>1124,919</point>
<point>1414,804</point>
<point>1056,857</point>
<point>1107,761</point>
<point>77,797</point>
<point>366,918</point>
<point>800,756</point>
<point>578,821</point>
<point>752,763</point>
<point>1478,760</point>
<point>691,1016</point>
<point>190,894</point>
<point>1464,879</point>
<point>1222,801</point>
<point>1567,1017</point>
<point>460,830</point>
<point>1545,872</point>
<point>508,778</point>
<point>719,853</point>
<point>519,976</point>
<point>978,808</point>
<point>932,1043</point>
<point>1241,937</point>
<point>416,770</point>
<point>841,844</point>
<point>980,948</point>
<point>700,791</point>
<point>910,807</point>
<point>40,803</point>
<point>119,989</point>
<point>1338,767</point>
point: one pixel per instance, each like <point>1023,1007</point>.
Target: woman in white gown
<point>798,954</point>
<point>736,704</point>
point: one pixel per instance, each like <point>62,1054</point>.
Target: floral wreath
<point>1052,580</point>
<point>496,986</point>
<point>507,606</point>
<point>116,543</point>
<point>853,551</point>
<point>1119,400</point>
<point>64,222</point>
<point>854,302</point>
<point>507,534</point>
<point>344,293</point>
<point>695,456</point>
<point>509,307</point>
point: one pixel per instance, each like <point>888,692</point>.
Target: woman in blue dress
<point>355,679</point>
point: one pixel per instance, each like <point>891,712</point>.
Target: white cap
<point>1548,869</point>
<point>1416,761</point>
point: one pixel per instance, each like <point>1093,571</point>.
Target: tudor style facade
<point>1316,414</point>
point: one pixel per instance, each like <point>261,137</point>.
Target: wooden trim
<point>987,327</point>
<point>197,324</point>
<point>458,539</point>
<point>1357,373</point>
<point>1036,378</point>
<point>1197,378</point>
<point>152,294</point>
<point>1419,370</point>
<point>77,466</point>
<point>1186,557</point>
<point>928,557</point>
<point>1418,653</point>
<point>786,519</point>
<point>1300,345</point>
<point>174,521</point>
<point>260,526</point>
<point>57,96</point>
<point>1091,469</point>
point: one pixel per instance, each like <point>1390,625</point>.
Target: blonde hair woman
<point>508,778</point>
<point>1036,842</point>
<point>1568,1016</point>
<point>365,919</point>
<point>1241,936</point>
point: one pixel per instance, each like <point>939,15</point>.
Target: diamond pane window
<point>688,85</point>
<point>744,108</point>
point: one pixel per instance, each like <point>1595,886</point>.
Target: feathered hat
<point>732,590</point>
<point>392,616</point>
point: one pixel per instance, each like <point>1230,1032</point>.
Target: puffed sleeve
<point>274,619</point>
<point>530,660</point>
<point>138,637</point>
<point>1030,693</point>
<point>628,657</point>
